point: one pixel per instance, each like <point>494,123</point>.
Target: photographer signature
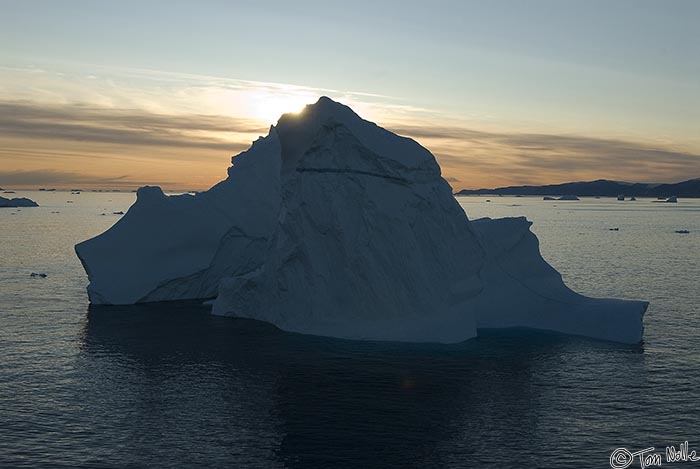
<point>622,458</point>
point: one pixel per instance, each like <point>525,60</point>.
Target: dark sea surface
<point>169,385</point>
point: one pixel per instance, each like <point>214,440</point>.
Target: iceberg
<point>671,200</point>
<point>17,202</point>
<point>332,225</point>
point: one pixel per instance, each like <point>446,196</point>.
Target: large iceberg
<point>332,225</point>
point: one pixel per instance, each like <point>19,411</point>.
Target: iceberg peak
<point>149,194</point>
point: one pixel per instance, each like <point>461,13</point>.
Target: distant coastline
<point>598,188</point>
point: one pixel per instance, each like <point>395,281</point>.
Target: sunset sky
<point>122,94</point>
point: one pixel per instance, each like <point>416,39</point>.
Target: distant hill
<point>601,187</point>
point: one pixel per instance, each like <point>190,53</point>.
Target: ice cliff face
<point>332,225</point>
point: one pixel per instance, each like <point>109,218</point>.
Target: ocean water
<point>171,386</point>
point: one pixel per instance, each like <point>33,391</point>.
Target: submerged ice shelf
<point>332,225</point>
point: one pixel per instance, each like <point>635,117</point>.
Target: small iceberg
<point>17,202</point>
<point>670,200</point>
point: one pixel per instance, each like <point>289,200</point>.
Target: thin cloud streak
<point>49,176</point>
<point>121,126</point>
<point>538,158</point>
<point>29,111</point>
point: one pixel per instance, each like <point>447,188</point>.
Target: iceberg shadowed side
<point>370,242</point>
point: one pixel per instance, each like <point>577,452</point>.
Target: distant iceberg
<point>17,202</point>
<point>331,225</point>
<point>670,200</point>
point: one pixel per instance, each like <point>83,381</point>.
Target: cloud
<point>537,158</point>
<point>470,158</point>
<point>436,131</point>
<point>94,124</point>
<point>51,176</point>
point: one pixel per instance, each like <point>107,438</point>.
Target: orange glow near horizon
<point>116,134</point>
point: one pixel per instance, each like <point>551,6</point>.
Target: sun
<point>269,107</point>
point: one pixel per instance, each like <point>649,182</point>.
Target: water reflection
<point>184,387</point>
